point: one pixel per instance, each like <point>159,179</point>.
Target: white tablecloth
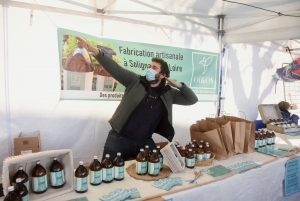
<point>264,183</point>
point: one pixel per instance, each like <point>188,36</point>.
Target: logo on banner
<point>205,71</point>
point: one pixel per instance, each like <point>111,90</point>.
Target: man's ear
<point>163,75</point>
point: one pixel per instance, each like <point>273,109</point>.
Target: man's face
<point>158,76</point>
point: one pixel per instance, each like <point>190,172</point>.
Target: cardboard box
<point>27,144</point>
<point>28,161</point>
<point>272,111</point>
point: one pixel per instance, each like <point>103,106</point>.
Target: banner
<point>83,78</point>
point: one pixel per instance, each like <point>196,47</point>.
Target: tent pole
<point>5,34</point>
<point>220,38</point>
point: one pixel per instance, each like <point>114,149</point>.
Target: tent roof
<point>242,23</point>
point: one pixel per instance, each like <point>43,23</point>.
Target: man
<point>145,108</point>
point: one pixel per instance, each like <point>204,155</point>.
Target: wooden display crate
<point>272,111</point>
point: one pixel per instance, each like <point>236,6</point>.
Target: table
<point>262,183</point>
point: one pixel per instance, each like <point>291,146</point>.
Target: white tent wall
<point>3,130</point>
<point>34,82</point>
<point>249,79</point>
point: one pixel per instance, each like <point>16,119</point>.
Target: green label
<point>119,172</point>
<point>25,198</point>
<point>141,167</point>
<point>81,184</point>
<point>108,174</point>
<point>153,168</point>
<point>200,157</point>
<point>96,177</point>
<point>190,162</point>
<point>57,178</point>
<point>256,144</point>
<point>39,184</point>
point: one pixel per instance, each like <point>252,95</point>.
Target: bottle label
<point>25,198</point>
<point>107,174</point>
<point>96,177</point>
<point>200,157</point>
<point>190,162</point>
<point>274,140</point>
<point>257,144</point>
<point>269,141</point>
<point>207,155</point>
<point>39,184</point>
<point>264,142</point>
<point>261,143</point>
<point>161,161</point>
<point>119,172</point>
<point>183,158</point>
<point>81,184</point>
<point>153,168</point>
<point>141,167</point>
<point>195,155</point>
<point>57,178</point>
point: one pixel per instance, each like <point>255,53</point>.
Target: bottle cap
<point>190,149</point>
<point>38,162</point>
<point>183,148</point>
<point>119,154</point>
<point>194,140</point>
<point>55,158</point>
<point>95,157</point>
<point>200,146</point>
<point>146,146</point>
<point>80,163</point>
<point>154,150</point>
<point>207,145</point>
<point>11,188</point>
<point>158,147</point>
<point>20,167</point>
<point>107,155</point>
<point>193,145</point>
<point>141,149</point>
<point>18,180</point>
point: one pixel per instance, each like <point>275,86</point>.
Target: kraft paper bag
<point>226,132</point>
<point>249,141</point>
<point>238,133</point>
<point>209,132</point>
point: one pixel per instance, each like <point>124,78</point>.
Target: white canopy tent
<point>255,41</point>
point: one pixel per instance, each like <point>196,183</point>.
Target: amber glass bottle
<point>107,170</point>
<point>12,195</point>
<point>81,178</point>
<point>153,164</point>
<point>95,172</point>
<point>21,189</point>
<point>190,159</point>
<point>200,153</point>
<point>141,163</point>
<point>57,176</point>
<point>23,175</point>
<point>39,179</point>
<point>118,167</point>
<point>161,158</point>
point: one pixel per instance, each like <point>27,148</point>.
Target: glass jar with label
<point>21,189</point>
<point>95,172</point>
<point>57,176</point>
<point>154,164</point>
<point>81,178</point>
<point>107,170</point>
<point>141,163</point>
<point>39,179</point>
<point>118,167</point>
<point>190,159</point>
<point>23,175</point>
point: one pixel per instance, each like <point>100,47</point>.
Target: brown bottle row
<point>105,172</point>
<point>20,180</point>
<point>201,152</point>
<point>264,138</point>
<point>148,161</point>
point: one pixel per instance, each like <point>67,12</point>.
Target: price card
<point>292,179</point>
<point>217,171</point>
